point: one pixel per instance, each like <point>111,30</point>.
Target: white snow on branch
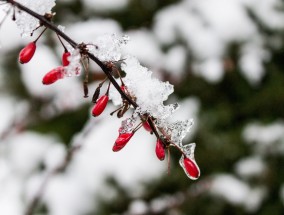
<point>150,95</point>
<point>26,22</point>
<point>108,47</point>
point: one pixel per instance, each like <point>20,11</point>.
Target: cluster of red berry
<point>187,161</point>
<point>124,137</point>
<point>27,53</point>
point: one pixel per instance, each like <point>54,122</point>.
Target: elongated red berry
<point>147,126</point>
<point>121,141</point>
<point>65,56</point>
<point>53,75</point>
<point>160,150</point>
<point>27,53</point>
<point>191,168</point>
<point>100,105</point>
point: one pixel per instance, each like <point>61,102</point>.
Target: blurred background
<point>226,61</point>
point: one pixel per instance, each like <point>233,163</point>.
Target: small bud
<point>120,113</point>
<point>86,89</point>
<point>27,53</point>
<point>190,167</point>
<point>100,105</point>
<point>121,141</point>
<point>96,95</point>
<point>53,75</point>
<point>160,150</point>
<point>65,56</point>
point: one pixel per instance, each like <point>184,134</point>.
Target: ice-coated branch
<point>148,104</point>
<point>138,89</point>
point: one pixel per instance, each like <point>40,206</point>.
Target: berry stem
<point>65,49</point>
<point>137,127</point>
<point>108,88</point>
<point>40,35</point>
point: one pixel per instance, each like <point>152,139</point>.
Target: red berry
<point>65,56</point>
<point>191,168</point>
<point>121,141</point>
<point>100,105</point>
<point>27,53</point>
<point>147,126</point>
<point>123,88</point>
<point>53,75</point>
<point>160,150</point>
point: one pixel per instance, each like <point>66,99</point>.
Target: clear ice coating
<point>149,93</point>
<point>181,163</point>
<point>25,22</point>
<point>127,125</point>
<point>108,47</point>
<point>177,130</point>
<point>74,68</point>
<point>189,150</point>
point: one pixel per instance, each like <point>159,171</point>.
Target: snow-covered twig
<point>138,89</point>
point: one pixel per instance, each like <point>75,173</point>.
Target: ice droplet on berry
<point>188,163</point>
<point>127,125</point>
<point>190,167</point>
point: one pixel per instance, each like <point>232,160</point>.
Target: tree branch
<point>108,72</point>
<point>47,23</point>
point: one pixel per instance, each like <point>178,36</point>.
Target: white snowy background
<point>207,27</point>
